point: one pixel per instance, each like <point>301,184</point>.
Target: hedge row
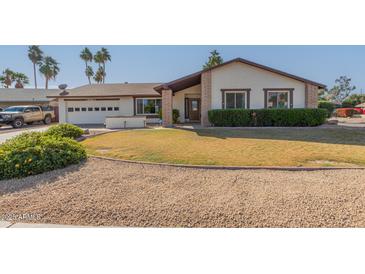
<point>329,106</point>
<point>35,152</point>
<point>267,117</point>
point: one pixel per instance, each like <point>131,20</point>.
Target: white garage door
<point>91,111</point>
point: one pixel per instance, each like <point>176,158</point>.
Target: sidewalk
<point>4,224</point>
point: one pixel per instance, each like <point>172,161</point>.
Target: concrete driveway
<point>8,132</point>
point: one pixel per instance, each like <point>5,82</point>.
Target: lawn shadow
<point>15,185</point>
<point>344,136</point>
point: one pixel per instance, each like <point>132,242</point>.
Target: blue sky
<point>165,63</point>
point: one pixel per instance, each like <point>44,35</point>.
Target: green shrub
<point>175,116</point>
<point>65,130</point>
<point>267,117</point>
<point>34,153</point>
<point>229,117</point>
<point>348,103</point>
<point>327,105</point>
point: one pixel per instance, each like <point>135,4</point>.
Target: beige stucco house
<point>238,83</point>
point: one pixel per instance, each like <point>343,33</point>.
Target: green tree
<point>21,80</point>
<point>35,55</point>
<point>49,69</point>
<point>7,78</point>
<point>89,72</point>
<point>101,57</point>
<point>87,56</point>
<point>214,60</point>
<point>98,58</point>
<point>99,75</point>
<point>341,90</point>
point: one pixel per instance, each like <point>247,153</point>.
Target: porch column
<point>206,97</point>
<point>167,107</point>
<point>311,96</point>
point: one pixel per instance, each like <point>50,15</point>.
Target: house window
<point>70,109</point>
<point>77,109</point>
<point>96,109</point>
<point>235,100</point>
<point>103,109</point>
<point>278,99</point>
<point>89,109</point>
<point>148,106</point>
<point>116,108</point>
<point>110,109</point>
<point>83,109</point>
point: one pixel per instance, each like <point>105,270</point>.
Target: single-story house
<point>17,97</point>
<point>238,83</point>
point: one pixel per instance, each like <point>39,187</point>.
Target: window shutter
<point>291,98</point>
<point>265,98</point>
<point>248,98</point>
<point>223,103</point>
<point>186,108</point>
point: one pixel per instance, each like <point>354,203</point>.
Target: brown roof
<point>194,79</point>
<point>111,90</point>
<point>26,94</point>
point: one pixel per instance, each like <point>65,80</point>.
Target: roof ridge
<point>245,61</point>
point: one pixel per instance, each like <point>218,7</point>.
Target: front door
<point>194,109</point>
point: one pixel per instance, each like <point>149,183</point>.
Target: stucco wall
<point>179,99</point>
<point>62,111</point>
<point>126,106</point>
<point>238,75</point>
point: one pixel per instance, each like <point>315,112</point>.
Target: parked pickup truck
<point>17,116</point>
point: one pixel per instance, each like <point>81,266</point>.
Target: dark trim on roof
<point>195,78</point>
<point>103,96</point>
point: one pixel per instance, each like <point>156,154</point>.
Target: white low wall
<point>125,122</point>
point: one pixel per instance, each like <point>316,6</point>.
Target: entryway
<point>193,109</point>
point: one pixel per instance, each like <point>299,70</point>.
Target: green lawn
<point>247,147</point>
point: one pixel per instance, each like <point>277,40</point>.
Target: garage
<point>91,104</point>
<point>91,111</point>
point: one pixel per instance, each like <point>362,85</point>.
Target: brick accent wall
<point>206,97</point>
<point>167,107</point>
<point>311,96</point>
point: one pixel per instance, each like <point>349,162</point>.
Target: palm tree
<point>101,57</point>
<point>21,80</point>
<point>99,75</point>
<point>49,68</point>
<point>35,54</point>
<point>98,58</point>
<point>105,58</point>
<point>7,78</point>
<point>89,73</point>
<point>87,56</point>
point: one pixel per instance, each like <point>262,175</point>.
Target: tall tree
<point>101,57</point>
<point>21,80</point>
<point>89,72</point>
<point>35,54</point>
<point>341,90</point>
<point>99,75</point>
<point>105,58</point>
<point>98,58</point>
<point>214,60</point>
<point>87,56</point>
<point>49,68</point>
<point>7,78</point>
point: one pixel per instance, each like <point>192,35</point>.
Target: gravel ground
<point>110,193</point>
